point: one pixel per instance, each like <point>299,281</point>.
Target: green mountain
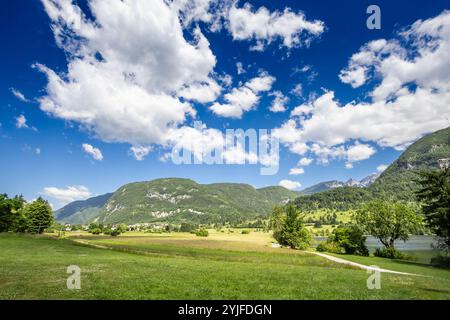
<point>430,152</point>
<point>176,200</point>
<point>396,182</point>
<point>78,212</point>
<point>340,199</point>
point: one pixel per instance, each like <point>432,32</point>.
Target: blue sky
<point>122,77</point>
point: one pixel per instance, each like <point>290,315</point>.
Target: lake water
<point>419,247</point>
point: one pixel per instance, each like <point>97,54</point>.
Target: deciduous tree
<point>388,221</point>
<point>38,215</point>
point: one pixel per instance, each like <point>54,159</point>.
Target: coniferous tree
<point>435,196</point>
<point>288,228</point>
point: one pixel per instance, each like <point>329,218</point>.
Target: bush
<point>96,231</point>
<point>351,239</point>
<point>345,240</point>
<point>114,233</point>
<point>202,233</point>
<point>95,228</point>
<point>390,253</point>
<point>245,232</point>
<point>321,247</point>
<point>441,261</point>
<point>122,228</point>
<point>186,227</point>
<point>330,247</point>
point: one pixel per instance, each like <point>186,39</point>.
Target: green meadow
<point>225,265</point>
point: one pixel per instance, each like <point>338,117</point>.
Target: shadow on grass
<point>419,264</point>
<point>434,290</point>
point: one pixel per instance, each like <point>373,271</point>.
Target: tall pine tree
<point>435,196</point>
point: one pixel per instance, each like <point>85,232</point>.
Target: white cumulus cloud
<point>410,97</point>
<point>19,95</point>
<point>296,171</point>
<point>290,184</point>
<point>279,102</point>
<point>244,98</point>
<point>305,162</point>
<point>359,152</point>
<point>140,152</point>
<point>92,151</point>
<point>297,90</point>
<point>68,194</point>
<point>264,27</point>
<point>239,68</point>
<point>127,68</point>
<point>21,122</point>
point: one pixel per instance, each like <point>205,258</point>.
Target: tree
<point>5,213</point>
<point>434,193</point>
<point>351,239</point>
<point>288,228</point>
<point>388,221</point>
<point>95,230</point>
<point>11,218</point>
<point>113,232</point>
<point>186,227</point>
<point>38,216</point>
<point>122,228</point>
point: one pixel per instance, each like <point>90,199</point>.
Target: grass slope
<point>185,267</point>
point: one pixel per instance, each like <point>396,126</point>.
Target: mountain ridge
<point>333,184</point>
<point>397,182</point>
<point>179,199</point>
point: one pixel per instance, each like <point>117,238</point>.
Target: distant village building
<point>444,163</point>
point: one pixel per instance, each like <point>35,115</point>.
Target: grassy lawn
<point>182,266</point>
<point>416,267</point>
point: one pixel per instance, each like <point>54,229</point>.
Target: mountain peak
<point>333,184</point>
